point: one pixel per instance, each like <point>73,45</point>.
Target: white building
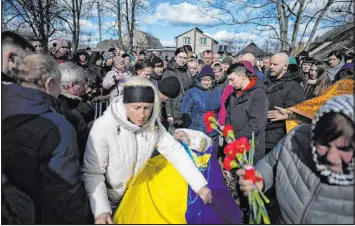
<point>197,40</point>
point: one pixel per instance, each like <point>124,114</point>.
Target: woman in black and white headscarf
<point>312,168</point>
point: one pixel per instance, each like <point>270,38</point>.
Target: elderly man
<point>284,91</point>
<point>14,48</point>
<point>251,58</point>
<point>216,58</point>
<point>207,57</point>
<point>72,90</point>
<point>39,149</point>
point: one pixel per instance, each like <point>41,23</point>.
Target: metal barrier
<point>100,107</point>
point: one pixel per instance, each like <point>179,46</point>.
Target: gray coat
<point>173,106</point>
<point>302,197</point>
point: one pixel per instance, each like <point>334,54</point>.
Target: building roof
<point>107,44</point>
<point>153,42</point>
<point>198,29</point>
<point>339,38</point>
<point>253,49</point>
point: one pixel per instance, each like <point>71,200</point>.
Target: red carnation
<point>230,150</point>
<point>207,120</point>
<point>250,174</point>
<point>229,162</point>
<point>228,131</point>
<point>242,144</point>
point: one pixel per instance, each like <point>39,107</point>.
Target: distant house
<point>142,41</point>
<point>197,40</point>
<point>253,49</point>
<point>226,47</point>
<point>339,38</point>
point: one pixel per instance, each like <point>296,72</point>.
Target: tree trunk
<point>133,23</point>
<point>119,25</point>
<point>319,18</point>
<point>297,24</point>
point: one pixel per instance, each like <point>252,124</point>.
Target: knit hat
<point>170,87</point>
<point>206,71</point>
<point>107,55</point>
<point>156,60</point>
<point>248,65</point>
<point>292,60</point>
<point>227,60</point>
<point>60,44</point>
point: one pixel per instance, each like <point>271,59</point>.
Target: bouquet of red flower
<point>236,157</point>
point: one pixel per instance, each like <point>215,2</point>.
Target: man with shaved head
<point>251,58</point>
<point>284,91</point>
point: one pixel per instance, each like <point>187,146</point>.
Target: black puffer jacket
<point>247,114</point>
<point>40,156</point>
<point>173,106</point>
<point>284,92</point>
<point>72,103</point>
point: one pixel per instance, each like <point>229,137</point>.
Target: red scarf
<point>249,86</point>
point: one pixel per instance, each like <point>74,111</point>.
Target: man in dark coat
<point>71,99</point>
<point>39,149</point>
<point>284,91</point>
<point>173,106</point>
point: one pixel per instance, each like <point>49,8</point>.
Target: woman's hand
<point>277,115</point>
<point>205,194</point>
<point>104,218</point>
<point>171,120</point>
<point>247,185</point>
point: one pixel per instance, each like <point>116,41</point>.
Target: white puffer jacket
<point>117,150</point>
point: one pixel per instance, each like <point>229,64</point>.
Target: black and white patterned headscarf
<point>340,104</point>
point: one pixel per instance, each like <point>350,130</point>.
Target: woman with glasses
<point>202,98</point>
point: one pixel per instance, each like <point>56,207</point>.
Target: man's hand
<point>277,115</point>
<point>104,218</point>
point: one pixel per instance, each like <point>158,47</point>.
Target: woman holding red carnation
<point>312,168</point>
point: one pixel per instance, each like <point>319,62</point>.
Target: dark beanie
<point>303,54</point>
<point>170,87</point>
<point>156,60</point>
<point>206,71</point>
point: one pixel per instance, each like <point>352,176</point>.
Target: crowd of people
<point>85,133</point>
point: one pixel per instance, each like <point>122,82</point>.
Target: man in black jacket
<point>39,149</point>
<point>284,91</point>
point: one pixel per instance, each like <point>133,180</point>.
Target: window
<point>187,41</point>
<point>203,41</point>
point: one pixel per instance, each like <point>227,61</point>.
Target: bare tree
<point>39,17</point>
<point>115,7</point>
<point>72,11</point>
<point>133,10</point>
<point>281,18</point>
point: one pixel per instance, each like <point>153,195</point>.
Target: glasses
<point>206,80</point>
<point>39,46</point>
<point>64,47</point>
